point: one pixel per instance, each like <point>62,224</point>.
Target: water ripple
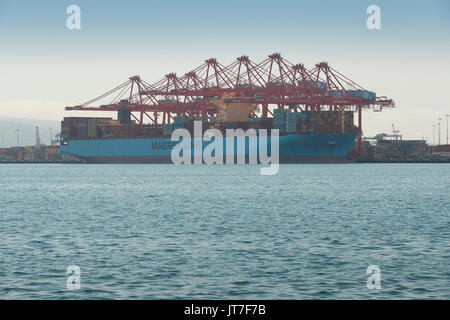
<point>215,232</point>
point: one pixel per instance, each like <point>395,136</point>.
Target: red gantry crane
<point>274,81</point>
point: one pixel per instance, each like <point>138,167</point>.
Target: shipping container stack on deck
<point>291,122</point>
<point>167,129</point>
<point>313,121</point>
<point>286,120</point>
<point>331,121</point>
<point>178,122</point>
<point>84,127</point>
<point>279,119</point>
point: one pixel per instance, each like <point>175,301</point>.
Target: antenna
<point>395,133</point>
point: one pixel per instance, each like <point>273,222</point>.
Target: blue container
<point>279,127</point>
<point>291,116</point>
<point>178,119</point>
<point>167,129</point>
<point>291,128</point>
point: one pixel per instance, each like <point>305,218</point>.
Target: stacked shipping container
<point>401,148</point>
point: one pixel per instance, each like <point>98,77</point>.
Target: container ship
<point>312,109</point>
<point>304,136</point>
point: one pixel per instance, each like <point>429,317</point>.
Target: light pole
<point>433,133</point>
<point>17,133</point>
<point>439,131</point>
<point>447,115</point>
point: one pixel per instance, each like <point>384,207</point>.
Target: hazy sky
<point>44,66</point>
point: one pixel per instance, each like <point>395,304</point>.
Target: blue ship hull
<point>293,148</point>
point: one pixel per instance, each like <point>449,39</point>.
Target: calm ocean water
<point>212,232</point>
